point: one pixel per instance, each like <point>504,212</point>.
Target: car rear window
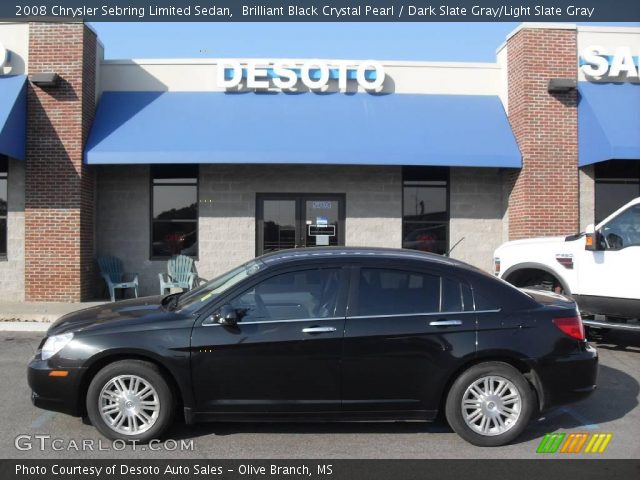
<point>491,293</point>
<point>484,302</point>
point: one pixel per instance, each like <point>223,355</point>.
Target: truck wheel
<point>536,279</point>
<point>490,404</point>
<point>130,400</point>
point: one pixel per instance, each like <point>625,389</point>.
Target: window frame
<point>4,175</point>
<point>152,220</point>
<point>416,174</point>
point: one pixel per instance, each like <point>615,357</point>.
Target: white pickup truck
<point>599,269</point>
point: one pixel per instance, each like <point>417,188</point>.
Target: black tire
<point>149,373</point>
<point>454,411</point>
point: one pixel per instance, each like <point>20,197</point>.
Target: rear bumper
<point>60,394</point>
<point>569,378</point>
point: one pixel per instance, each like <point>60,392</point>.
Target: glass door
<point>278,225</point>
<point>322,222</point>
<point>298,220</point>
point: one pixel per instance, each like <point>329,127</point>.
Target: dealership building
<point>226,159</point>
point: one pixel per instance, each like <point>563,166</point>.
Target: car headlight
<point>54,344</point>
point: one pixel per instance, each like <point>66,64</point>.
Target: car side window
<point>291,296</point>
<point>388,292</point>
<point>621,231</point>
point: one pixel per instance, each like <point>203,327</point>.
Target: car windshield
<point>218,286</point>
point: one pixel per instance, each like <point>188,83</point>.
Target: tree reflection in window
<point>174,200</point>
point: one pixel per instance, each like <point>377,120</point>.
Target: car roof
<point>314,253</point>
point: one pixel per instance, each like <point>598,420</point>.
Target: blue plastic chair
<point>180,274</point>
<point>115,278</point>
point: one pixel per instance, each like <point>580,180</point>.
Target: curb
<point>22,318</point>
<point>24,326</point>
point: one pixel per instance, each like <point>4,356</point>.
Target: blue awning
<point>608,122</point>
<point>304,128</point>
<point>13,116</point>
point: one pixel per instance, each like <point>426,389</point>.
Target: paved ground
<point>613,408</point>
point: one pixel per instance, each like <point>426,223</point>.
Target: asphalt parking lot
<point>612,409</point>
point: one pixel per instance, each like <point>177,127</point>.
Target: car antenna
<point>451,249</point>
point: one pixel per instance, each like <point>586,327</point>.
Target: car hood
<point>549,298</point>
<point>533,241</point>
<point>139,309</point>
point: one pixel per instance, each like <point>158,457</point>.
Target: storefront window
<point>617,182</point>
<point>4,173</point>
<point>174,202</point>
<point>425,209</point>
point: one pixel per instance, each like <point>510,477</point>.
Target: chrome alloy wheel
<point>491,405</point>
<point>129,404</point>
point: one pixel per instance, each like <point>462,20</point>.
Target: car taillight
<point>571,326</point>
<point>496,266</point>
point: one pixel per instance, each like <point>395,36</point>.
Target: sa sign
<point>594,62</point>
<point>4,56</point>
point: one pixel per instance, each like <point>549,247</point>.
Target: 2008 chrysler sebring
<point>326,334</point>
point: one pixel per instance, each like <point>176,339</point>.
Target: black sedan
<point>325,334</point>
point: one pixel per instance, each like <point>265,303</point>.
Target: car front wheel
<point>490,404</point>
<point>130,400</point>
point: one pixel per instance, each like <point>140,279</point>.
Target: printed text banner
<point>322,11</point>
<point>316,469</point>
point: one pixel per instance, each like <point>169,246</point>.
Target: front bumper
<point>570,378</point>
<point>60,394</point>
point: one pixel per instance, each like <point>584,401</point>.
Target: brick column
<point>544,194</point>
<point>59,187</point>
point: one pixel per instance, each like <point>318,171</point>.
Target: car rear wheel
<point>490,404</point>
<point>130,400</point>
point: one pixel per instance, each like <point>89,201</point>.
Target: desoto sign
<point>314,74</point>
<point>596,63</point>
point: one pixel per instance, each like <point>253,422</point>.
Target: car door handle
<point>318,329</point>
<point>445,323</point>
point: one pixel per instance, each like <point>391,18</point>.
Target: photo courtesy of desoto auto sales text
<point>322,240</point>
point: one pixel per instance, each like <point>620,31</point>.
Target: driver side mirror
<point>227,315</point>
<point>590,238</point>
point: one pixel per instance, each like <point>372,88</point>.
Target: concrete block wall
<point>228,202</point>
<point>227,208</point>
<point>12,269</point>
<point>477,209</point>
<point>122,222</point>
<point>587,196</point>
